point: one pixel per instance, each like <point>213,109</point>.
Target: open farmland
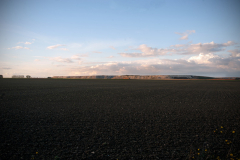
<point>119,119</point>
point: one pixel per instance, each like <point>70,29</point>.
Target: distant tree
<point>1,76</point>
<point>28,76</point>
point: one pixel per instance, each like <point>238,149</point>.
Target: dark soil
<point>119,119</point>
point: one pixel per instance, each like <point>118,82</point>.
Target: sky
<point>43,38</point>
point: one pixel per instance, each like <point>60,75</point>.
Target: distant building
<point>1,76</point>
<point>18,76</point>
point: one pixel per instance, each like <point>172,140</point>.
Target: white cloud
<point>202,58</point>
<point>177,45</point>
<point>76,57</point>
<point>96,52</point>
<point>19,47</point>
<point>60,59</point>
<point>64,49</point>
<point>131,54</point>
<point>235,53</point>
<point>208,64</point>
<point>55,46</point>
<point>147,52</point>
<point>27,42</point>
<point>110,57</point>
<point>229,43</point>
<point>183,49</point>
<point>184,37</point>
<point>185,34</point>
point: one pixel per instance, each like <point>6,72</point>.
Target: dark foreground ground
<point>119,119</point>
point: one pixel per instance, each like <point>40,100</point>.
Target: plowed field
<point>119,119</point>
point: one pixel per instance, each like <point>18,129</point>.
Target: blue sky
<point>113,37</point>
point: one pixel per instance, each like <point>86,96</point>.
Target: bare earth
<point>119,119</point>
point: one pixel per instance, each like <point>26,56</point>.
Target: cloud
<point>183,49</point>
<point>131,54</point>
<point>55,46</point>
<point>76,57</point>
<point>177,45</point>
<point>202,58</point>
<point>96,52</point>
<point>112,47</point>
<point>6,68</point>
<point>235,53</point>
<point>110,57</point>
<point>17,47</point>
<point>204,47</point>
<point>147,52</point>
<point>184,37</point>
<point>37,60</point>
<point>27,42</point>
<point>185,34</point>
<point>20,47</point>
<point>65,60</point>
<point>60,59</point>
<point>208,64</point>
<point>228,64</point>
<point>64,49</point>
